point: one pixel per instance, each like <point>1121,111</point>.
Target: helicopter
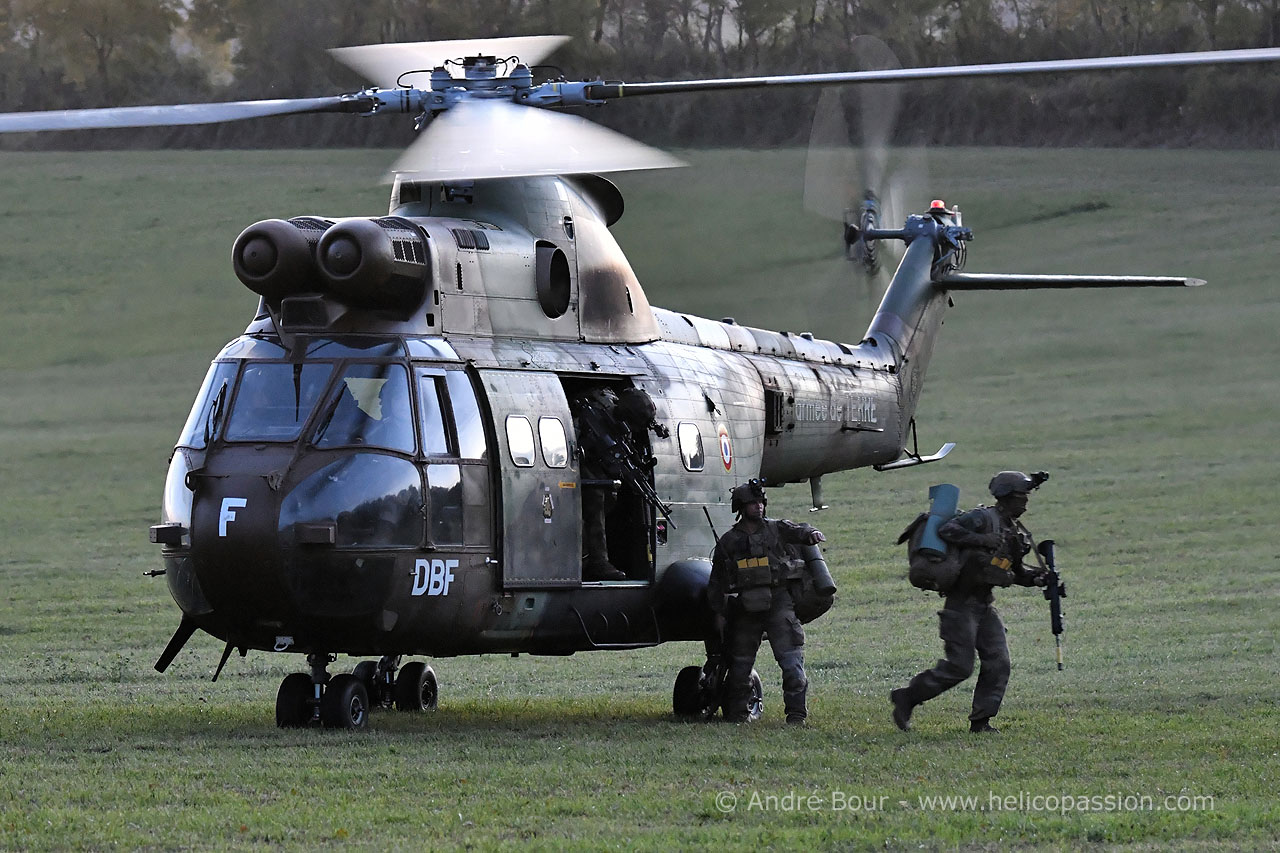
<point>389,461</point>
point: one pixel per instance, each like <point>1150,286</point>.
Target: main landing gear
<point>344,701</point>
<point>699,691</point>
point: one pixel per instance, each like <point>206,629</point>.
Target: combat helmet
<point>1015,482</point>
<point>635,406</point>
<point>747,493</point>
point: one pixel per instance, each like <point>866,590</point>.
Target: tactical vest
<point>758,562</point>
<point>996,568</point>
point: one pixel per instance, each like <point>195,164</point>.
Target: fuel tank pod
<point>375,263</point>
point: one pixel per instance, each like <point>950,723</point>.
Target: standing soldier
<point>755,579</point>
<point>993,543</point>
<point>606,424</point>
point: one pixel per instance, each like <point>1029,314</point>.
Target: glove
<point>1040,578</point>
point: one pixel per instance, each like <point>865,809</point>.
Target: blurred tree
<point>104,42</point>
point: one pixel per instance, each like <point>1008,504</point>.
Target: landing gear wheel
<point>293,701</point>
<point>366,672</point>
<point>416,688</point>
<point>345,704</point>
<point>755,698</point>
<point>686,696</point>
<point>755,705</point>
<point>696,696</point>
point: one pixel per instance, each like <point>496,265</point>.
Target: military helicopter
<point>386,463</point>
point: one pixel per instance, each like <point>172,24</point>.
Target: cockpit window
<point>372,501</point>
<point>371,409</point>
<point>274,400</point>
<point>210,406</point>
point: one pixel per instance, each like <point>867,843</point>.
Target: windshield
<point>275,399</point>
<point>372,409</point>
<point>206,413</point>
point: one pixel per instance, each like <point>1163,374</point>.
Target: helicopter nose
<point>234,548</point>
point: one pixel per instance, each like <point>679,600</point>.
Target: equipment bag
<point>933,564</point>
<point>815,591</point>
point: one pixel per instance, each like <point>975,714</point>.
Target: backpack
<point>933,564</point>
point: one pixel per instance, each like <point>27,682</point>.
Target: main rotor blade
<point>383,64</point>
<point>497,139</point>
<point>173,114</point>
<point>895,75</point>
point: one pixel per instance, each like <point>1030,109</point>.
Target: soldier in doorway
<point>613,438</point>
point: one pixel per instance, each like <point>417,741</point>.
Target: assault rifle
<point>1054,592</point>
<point>606,441</point>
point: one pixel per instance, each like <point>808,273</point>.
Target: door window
<point>445,485</point>
<point>520,440</point>
<point>555,445</point>
<point>466,416</point>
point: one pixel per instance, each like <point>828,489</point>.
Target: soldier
<point>615,420</point>
<point>993,544</point>
<point>754,580</point>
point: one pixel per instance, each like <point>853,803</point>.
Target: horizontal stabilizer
<point>1002,281</point>
<point>910,459</point>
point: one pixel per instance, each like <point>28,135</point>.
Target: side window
<point>466,415</point>
<point>371,409</point>
<point>555,445</point>
<point>435,441</point>
<point>520,440</point>
<point>691,447</point>
<point>210,405</point>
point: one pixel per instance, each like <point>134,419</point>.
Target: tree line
<point>66,54</point>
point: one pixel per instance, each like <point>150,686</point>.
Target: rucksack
<point>933,564</point>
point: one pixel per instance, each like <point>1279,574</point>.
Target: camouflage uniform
<point>625,415</point>
<point>755,578</point>
<point>969,623</point>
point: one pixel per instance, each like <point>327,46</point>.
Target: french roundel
<point>726,447</point>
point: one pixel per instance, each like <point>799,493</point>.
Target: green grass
<point>1154,411</point>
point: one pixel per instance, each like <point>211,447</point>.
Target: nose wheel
<point>344,701</point>
<point>340,702</point>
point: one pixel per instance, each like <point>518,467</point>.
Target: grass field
<point>1155,411</point>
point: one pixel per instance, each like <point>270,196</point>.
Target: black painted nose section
<point>235,548</point>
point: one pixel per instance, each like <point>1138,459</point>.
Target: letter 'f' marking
<point>229,507</point>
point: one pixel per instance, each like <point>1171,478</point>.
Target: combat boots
<point>983,726</point>
<point>902,708</point>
